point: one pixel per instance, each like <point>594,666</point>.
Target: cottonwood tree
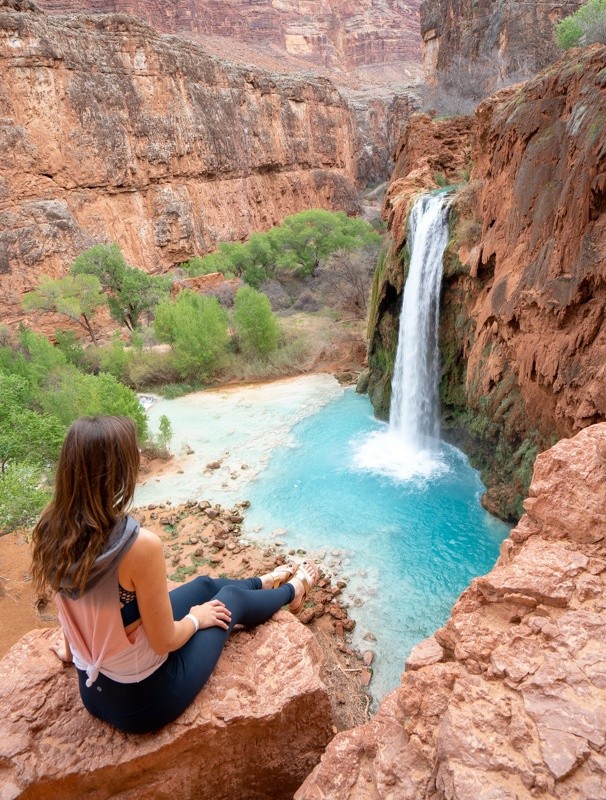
<point>75,296</point>
<point>130,291</point>
<point>255,323</point>
<point>586,26</point>
<point>197,328</point>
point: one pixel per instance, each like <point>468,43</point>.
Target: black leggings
<point>164,695</point>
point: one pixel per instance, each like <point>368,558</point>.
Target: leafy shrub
<point>254,321</point>
<point>71,394</point>
<point>69,344</point>
<point>586,26</point>
<point>23,494</point>
<point>196,327</point>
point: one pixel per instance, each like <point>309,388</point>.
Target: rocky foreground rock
<point>255,731</point>
<point>508,700</point>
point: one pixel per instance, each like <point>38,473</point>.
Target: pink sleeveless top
<point>95,632</point>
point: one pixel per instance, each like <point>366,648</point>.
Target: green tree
<point>196,327</point>
<point>23,494</point>
<point>130,291</point>
<point>165,433</point>
<point>300,243</point>
<point>69,344</point>
<point>70,394</point>
<point>311,236</point>
<point>75,297</point>
<point>28,437</point>
<point>255,323</point>
<point>31,357</point>
<point>586,26</point>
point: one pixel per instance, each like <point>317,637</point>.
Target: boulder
<point>255,731</point>
<point>508,700</point>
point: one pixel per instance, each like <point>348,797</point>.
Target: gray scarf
<point>120,540</point>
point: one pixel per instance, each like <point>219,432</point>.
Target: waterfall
<point>414,415</point>
<point>410,448</point>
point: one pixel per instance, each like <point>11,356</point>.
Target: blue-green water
<point>407,547</point>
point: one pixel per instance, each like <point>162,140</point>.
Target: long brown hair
<point>94,485</point>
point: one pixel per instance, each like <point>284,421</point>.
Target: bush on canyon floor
<point>131,293</point>
<point>586,26</point>
<point>42,393</point>
<point>196,327</point>
<point>256,326</point>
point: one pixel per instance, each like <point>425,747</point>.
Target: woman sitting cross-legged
<point>142,653</point>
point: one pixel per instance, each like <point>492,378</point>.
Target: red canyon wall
<point>337,33</point>
<point>483,45</point>
<point>111,132</point>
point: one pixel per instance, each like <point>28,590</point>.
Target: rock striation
<point>256,730</point>
<point>472,48</point>
<point>112,132</point>
<point>334,33</point>
<point>508,700</point>
<point>524,295</point>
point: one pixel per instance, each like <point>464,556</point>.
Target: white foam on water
<point>384,452</point>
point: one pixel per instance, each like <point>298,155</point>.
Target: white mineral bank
<point>237,426</point>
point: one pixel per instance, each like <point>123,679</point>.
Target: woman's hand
<point>62,651</point>
<point>212,614</point>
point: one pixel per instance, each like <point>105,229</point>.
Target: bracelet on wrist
<point>194,620</point>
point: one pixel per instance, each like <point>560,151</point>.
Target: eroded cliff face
<point>508,699</point>
<point>475,47</point>
<point>111,132</point>
<point>335,33</point>
<point>524,296</point>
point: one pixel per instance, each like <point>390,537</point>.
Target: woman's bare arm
<point>144,565</point>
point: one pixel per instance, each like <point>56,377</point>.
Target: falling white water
<point>414,415</point>
<point>410,446</point>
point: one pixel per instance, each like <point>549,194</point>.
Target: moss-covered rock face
<point>491,427</point>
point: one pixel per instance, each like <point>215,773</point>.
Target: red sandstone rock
<point>336,33</point>
<point>489,43</point>
<point>517,709</point>
<point>256,729</point>
<point>115,133</point>
<point>540,162</point>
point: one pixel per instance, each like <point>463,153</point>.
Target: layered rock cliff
<point>508,700</point>
<point>524,298</point>
<point>335,33</point>
<point>472,48</point>
<point>111,132</point>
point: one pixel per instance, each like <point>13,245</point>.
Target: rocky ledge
<point>508,700</point>
<point>256,730</point>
